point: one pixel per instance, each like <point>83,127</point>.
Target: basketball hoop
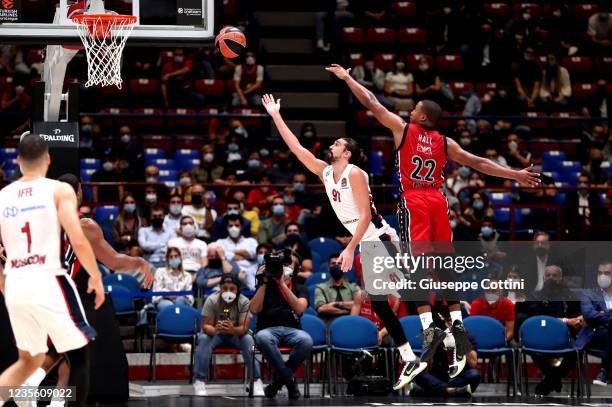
<point>104,37</point>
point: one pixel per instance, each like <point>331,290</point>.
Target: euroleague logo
<point>8,4</point>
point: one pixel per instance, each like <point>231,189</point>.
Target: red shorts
<point>423,216</point>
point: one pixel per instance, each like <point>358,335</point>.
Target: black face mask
<point>336,272</point>
<point>214,263</point>
<point>552,285</point>
<point>541,251</point>
<point>197,199</point>
<point>157,222</point>
<point>292,239</point>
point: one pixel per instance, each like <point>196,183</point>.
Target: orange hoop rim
<point>88,19</point>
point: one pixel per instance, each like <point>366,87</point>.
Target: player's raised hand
<point>339,71</point>
<point>145,270</point>
<point>272,106</point>
<point>527,177</point>
<point>95,285</point>
<point>346,260</point>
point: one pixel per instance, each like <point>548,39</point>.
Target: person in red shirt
<point>493,304</point>
<point>262,196</point>
<point>173,75</point>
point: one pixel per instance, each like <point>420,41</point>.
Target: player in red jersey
<point>422,153</point>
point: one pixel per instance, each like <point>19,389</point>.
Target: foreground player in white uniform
<point>40,297</point>
<point>349,194</point>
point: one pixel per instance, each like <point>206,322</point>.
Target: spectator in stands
<point>593,170</point>
<point>220,226</point>
<point>174,77</point>
<point>193,251</point>
<point>254,167</point>
<point>261,250</point>
<point>479,209</point>
<point>327,22</point>
<point>293,210</point>
<point>247,212</point>
<point>310,140</point>
<point>556,88</point>
<point>172,277</point>
<point>108,173</point>
<point>240,249</point>
<point>154,239</point>
<point>600,28</point>
<point>15,98</point>
<point>126,145</point>
<point>226,321</point>
<point>209,170</point>
<point>184,188</point>
<point>599,104</point>
<point>459,179</point>
<point>461,231</point>
<point>337,296</point>
<point>493,304</point>
<point>294,242</point>
<point>427,82</point>
<point>524,26</point>
<point>543,256</point>
<point>470,142</point>
<point>562,35</point>
<point>161,191</point>
<point>127,224</point>
<point>12,62</point>
<point>515,295</point>
<point>235,151</point>
<point>399,87</point>
<point>272,230</point>
<point>597,138</point>
<point>375,13</point>
<point>373,78</point>
<point>172,221</point>
<point>202,212</point>
<point>489,238</point>
<point>209,278</point>
<point>487,57</point>
<point>305,200</point>
<point>582,209</point>
<point>596,308</point>
<point>527,80</point>
<point>248,79</point>
<point>259,198</point>
<point>515,157</point>
<point>279,303</point>
<point>88,143</point>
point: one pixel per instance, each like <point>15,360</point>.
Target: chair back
<point>412,329</point>
<point>315,328</point>
<point>126,280</point>
<point>325,247</point>
<point>353,332</point>
<point>178,320</point>
<point>121,302</point>
<point>317,278</point>
<point>488,332</point>
<point>544,332</point>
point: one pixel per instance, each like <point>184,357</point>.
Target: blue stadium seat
<point>570,166</point>
<point>161,163</point>
<point>126,280</point>
<point>86,174</point>
<point>325,247</point>
<point>376,163</point>
<point>603,198</point>
<point>571,177</point>
<point>551,160</point>
<point>171,183</point>
<point>323,268</point>
<point>500,198</point>
<point>317,278</point>
<point>552,174</point>
<point>393,221</point>
<point>187,165</point>
<point>412,327</point>
<point>186,154</point>
<point>153,153</point>
<point>8,153</point>
<point>10,164</point>
<point>90,163</point>
<point>316,260</point>
<point>106,213</point>
<point>560,198</point>
<point>502,215</point>
<point>168,175</point>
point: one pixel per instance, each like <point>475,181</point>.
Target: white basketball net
<point>104,37</point>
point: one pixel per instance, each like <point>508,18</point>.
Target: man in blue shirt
<point>154,239</point>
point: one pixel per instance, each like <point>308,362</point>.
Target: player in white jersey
<point>349,194</point>
<point>40,298</point>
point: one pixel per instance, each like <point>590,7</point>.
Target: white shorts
<point>42,305</point>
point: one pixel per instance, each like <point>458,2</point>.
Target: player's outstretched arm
<point>388,119</point>
<point>311,162</point>
<point>110,258</point>
<point>486,166</point>
<point>65,202</point>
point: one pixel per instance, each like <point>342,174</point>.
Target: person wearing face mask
<point>460,179</point>
<point>201,210</point>
<point>261,197</point>
<point>127,224</point>
<point>248,79</point>
<point>479,209</point>
<point>107,173</point>
<point>279,303</point>
<point>600,28</point>
<point>556,88</point>
<point>582,210</point>
<point>272,230</point>
<point>493,304</point>
<point>209,277</point>
<point>125,145</point>
<point>192,250</point>
<point>427,82</point>
<point>292,208</point>
<point>160,189</point>
<point>516,158</point>
<point>593,170</point>
<point>154,239</point>
<point>596,308</point>
<point>399,87</point>
<point>240,249</point>
<point>174,76</point>
<point>489,238</point>
<point>542,256</point>
<point>337,296</point>
<point>225,323</point>
<point>184,187</point>
<point>295,243</point>
<point>209,169</point>
<point>527,80</point>
<point>234,207</point>
<point>373,79</point>
<point>172,221</point>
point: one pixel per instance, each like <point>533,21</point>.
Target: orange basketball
<point>230,42</point>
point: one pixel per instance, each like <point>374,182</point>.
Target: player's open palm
<point>272,106</point>
<point>95,286</point>
<point>527,177</point>
<point>339,71</point>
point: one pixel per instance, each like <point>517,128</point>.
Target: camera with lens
<point>274,263</point>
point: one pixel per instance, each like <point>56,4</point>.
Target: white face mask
<point>604,281</point>
<point>176,209</point>
<point>287,271</point>
<point>185,181</point>
<point>209,157</point>
<point>491,298</point>
<point>189,230</point>
<point>228,296</point>
<point>234,231</point>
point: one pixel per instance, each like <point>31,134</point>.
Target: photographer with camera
<point>279,302</point>
<point>226,322</point>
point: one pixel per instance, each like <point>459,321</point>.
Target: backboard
<point>159,22</point>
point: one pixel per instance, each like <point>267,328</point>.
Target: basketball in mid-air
<point>230,42</point>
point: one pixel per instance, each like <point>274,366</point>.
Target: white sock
<point>426,319</point>
<point>36,378</point>
<point>456,316</point>
<point>406,352</point>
